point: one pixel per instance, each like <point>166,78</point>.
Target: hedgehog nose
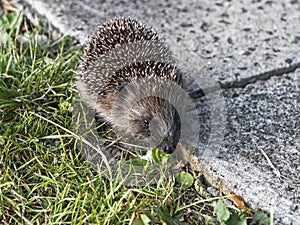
<point>166,149</point>
<point>169,149</point>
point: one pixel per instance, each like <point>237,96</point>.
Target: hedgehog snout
<point>171,140</point>
<point>169,147</point>
<point>164,137</point>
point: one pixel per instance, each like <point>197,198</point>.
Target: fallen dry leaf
<point>239,202</point>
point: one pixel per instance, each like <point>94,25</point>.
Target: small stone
<point>229,40</point>
<point>186,25</point>
<point>244,10</point>
<point>247,53</point>
<point>247,29</point>
<point>216,39</point>
<point>204,27</point>
<point>296,40</point>
<point>288,61</point>
<point>242,68</point>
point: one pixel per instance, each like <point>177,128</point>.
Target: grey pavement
<point>247,49</point>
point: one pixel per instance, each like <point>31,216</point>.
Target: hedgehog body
<point>128,76</point>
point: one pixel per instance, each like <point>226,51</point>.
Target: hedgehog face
<point>158,125</point>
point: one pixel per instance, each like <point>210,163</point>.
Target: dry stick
<point>125,143</point>
<point>112,142</point>
<point>126,150</point>
<point>276,171</point>
<point>80,139</point>
<point>133,145</point>
<point>115,141</point>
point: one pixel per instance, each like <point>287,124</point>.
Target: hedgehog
<point>128,76</point>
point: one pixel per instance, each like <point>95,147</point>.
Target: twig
<point>275,170</point>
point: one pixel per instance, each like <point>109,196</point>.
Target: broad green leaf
<point>159,156</point>
<point>185,179</point>
<point>136,162</point>
<point>261,218</point>
<point>168,220</point>
<point>221,211</point>
<point>236,220</point>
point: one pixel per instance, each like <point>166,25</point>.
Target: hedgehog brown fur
<point>124,66</point>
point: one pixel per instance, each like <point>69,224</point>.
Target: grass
<point>44,178</point>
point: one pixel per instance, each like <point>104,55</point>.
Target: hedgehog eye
<point>146,121</point>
